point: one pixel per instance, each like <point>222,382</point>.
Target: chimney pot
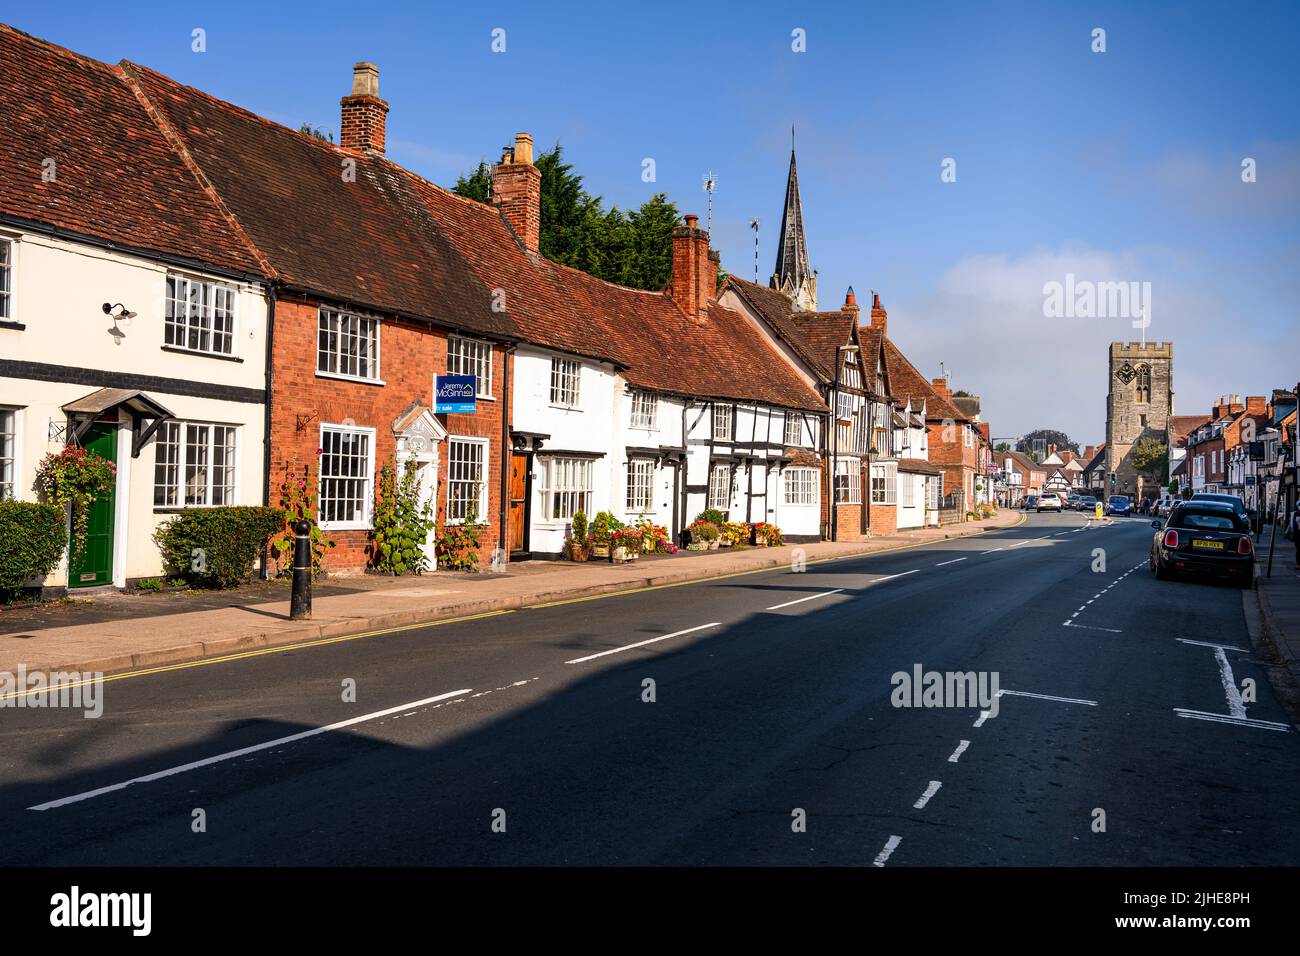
<point>692,220</point>
<point>365,79</point>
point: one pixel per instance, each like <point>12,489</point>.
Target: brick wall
<point>410,356</point>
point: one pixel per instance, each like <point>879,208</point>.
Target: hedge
<point>216,547</point>
<point>33,538</point>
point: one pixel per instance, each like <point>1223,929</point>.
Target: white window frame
<point>9,287</point>
<point>851,470</point>
<point>844,406</point>
<point>566,382</point>
<point>183,457</point>
<point>367,493</point>
<point>484,445</point>
<point>15,450</point>
<point>566,487</point>
<point>723,415</point>
<point>887,491</point>
<point>719,485</point>
<point>645,410</point>
<point>640,482</point>
<point>908,497</point>
<point>177,300</point>
<point>800,486</point>
<point>794,421</point>
<point>467,356</point>
<point>371,330</point>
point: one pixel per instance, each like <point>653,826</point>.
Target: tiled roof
<point>775,308</point>
<point>114,175</point>
<point>906,382</point>
<point>1180,426</point>
<point>644,332</point>
<point>366,241</point>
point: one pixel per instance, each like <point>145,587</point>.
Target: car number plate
<point>1211,545</point>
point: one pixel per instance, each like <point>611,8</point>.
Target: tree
<point>1002,446</point>
<point>1050,437</point>
<point>632,248</point>
<point>309,130</point>
<point>1173,488</point>
<point>1150,457</point>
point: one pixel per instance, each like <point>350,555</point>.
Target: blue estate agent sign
<point>454,393</point>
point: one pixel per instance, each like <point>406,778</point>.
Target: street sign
<point>454,394</point>
<point>1099,509</point>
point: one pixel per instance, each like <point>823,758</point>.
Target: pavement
<point>116,632</point>
<point>1277,600</point>
<point>753,719</point>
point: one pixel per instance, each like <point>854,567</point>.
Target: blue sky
<point>1115,166</point>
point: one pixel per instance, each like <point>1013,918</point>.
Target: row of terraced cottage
<point>219,304</point>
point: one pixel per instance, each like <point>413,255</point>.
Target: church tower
<point>1139,404</point>
<point>793,276</point>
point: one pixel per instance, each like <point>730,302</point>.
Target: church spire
<point>793,275</point>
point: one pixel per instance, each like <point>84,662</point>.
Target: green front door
<point>94,564</point>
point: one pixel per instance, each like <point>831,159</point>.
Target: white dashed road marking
<point>961,749</point>
<point>930,791</point>
<point>890,846</point>
<point>653,640</point>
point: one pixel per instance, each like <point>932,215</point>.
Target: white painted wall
<point>60,288</point>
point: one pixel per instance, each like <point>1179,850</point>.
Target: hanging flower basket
<point>75,478</point>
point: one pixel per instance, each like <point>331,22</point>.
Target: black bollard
<point>300,601</point>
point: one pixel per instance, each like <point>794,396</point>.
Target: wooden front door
<point>93,565</point>
<point>518,501</point>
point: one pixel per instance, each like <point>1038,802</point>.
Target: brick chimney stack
<point>1257,404</point>
<point>941,386</point>
<point>879,317</point>
<point>364,113</point>
<point>695,269</point>
<point>850,302</point>
<point>517,191</point>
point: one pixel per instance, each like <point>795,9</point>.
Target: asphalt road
<point>1118,738</point>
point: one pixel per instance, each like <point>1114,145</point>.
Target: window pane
<point>166,469</point>
<point>8,445</point>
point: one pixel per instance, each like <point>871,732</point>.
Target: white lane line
<point>811,597</point>
<point>930,791</point>
<point>953,561</point>
<point>1225,719</point>
<point>1226,647</point>
<point>244,751</point>
<point>890,577</point>
<point>979,721</point>
<point>991,552</point>
<point>1021,543</point>
<point>961,749</point>
<point>1063,700</point>
<point>1092,627</point>
<point>890,846</point>
<point>653,640</point>
<point>1236,707</point>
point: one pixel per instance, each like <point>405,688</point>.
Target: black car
<point>1204,537</point>
<point>1236,503</point>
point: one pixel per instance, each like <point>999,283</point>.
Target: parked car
<point>1031,501</point>
<point>1204,537</point>
<point>1237,504</point>
<point>1087,504</point>
<point>1072,502</point>
<point>1049,502</point>
<point>1119,506</point>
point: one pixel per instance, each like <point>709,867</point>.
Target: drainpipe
<point>266,419</point>
<point>506,408</point>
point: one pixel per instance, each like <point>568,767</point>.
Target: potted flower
<point>76,477</point>
<point>768,535</point>
<point>601,532</point>
<point>760,534</point>
<point>627,544</point>
<point>704,535</point>
<point>733,534</point>
<point>575,544</point>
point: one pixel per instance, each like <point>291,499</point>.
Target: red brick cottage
<point>372,302</point>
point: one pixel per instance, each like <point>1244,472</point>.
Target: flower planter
<point>760,542</point>
<point>619,556</point>
<point>600,550</point>
<point>715,544</point>
<point>577,551</point>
